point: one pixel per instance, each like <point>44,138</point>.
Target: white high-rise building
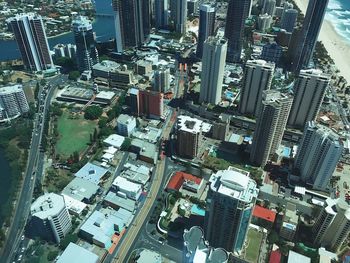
<point>161,80</point>
<point>270,126</point>
<point>230,202</point>
<point>264,22</point>
<point>257,78</point>
<point>318,155</point>
<point>213,66</point>
<point>309,90</point>
<point>332,226</point>
<point>13,102</point>
<point>50,218</point>
<point>32,42</point>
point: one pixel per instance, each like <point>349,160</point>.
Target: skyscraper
<point>257,78</point>
<point>151,104</point>
<point>270,126</point>
<point>332,226</point>
<point>237,12</point>
<point>161,80</point>
<point>289,18</point>
<point>230,202</point>
<point>264,22</point>
<point>86,53</point>
<point>206,25</point>
<point>179,15</point>
<point>129,23</point>
<point>309,33</point>
<point>146,17</point>
<point>13,102</point>
<point>31,39</point>
<point>161,14</point>
<point>309,90</point>
<point>213,65</point>
<point>269,7</point>
<point>318,155</point>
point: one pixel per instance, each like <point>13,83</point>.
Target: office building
<point>65,50</point>
<point>237,12</point>
<point>196,248</point>
<point>269,7</point>
<point>309,90</point>
<point>29,32</point>
<point>289,18</point>
<point>290,222</point>
<point>332,226</point>
<point>86,54</point>
<point>270,126</point>
<point>257,78</point>
<point>13,102</point>
<point>230,202</point>
<point>145,150</point>
<point>161,80</point>
<point>192,7</point>
<point>309,33</point>
<point>146,17</point>
<point>133,99</point>
<point>129,23</point>
<point>126,188</point>
<point>50,219</point>
<point>126,125</point>
<point>143,67</point>
<point>151,104</point>
<point>264,22</point>
<point>189,133</point>
<point>221,129</point>
<point>74,254</point>
<point>179,15</point>
<point>206,26</point>
<point>213,66</point>
<point>294,257</point>
<point>81,190</point>
<point>272,52</point>
<point>161,10</point>
<point>318,155</point>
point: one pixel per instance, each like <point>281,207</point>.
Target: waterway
<point>103,27</point>
<point>5,179</point>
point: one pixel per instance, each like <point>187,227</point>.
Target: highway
<point>22,207</point>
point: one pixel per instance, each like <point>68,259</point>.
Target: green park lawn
<point>254,240</point>
<point>74,134</point>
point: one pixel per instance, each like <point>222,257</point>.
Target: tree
<point>73,75</point>
<point>69,238</point>
<point>102,122</point>
<point>19,80</point>
<point>95,135</point>
<point>76,157</point>
<point>66,63</point>
<point>93,112</point>
<point>52,255</point>
<point>126,144</point>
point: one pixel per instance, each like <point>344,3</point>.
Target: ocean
<point>338,13</point>
<point>103,27</point>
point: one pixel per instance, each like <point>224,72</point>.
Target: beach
<point>337,48</point>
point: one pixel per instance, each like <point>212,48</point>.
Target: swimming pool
<point>197,210</point>
<point>286,151</point>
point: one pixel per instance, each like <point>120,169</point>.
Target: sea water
<point>338,13</point>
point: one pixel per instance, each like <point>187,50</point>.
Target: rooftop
<point>120,201</point>
<point>295,257</point>
<point>74,205</point>
<point>193,125</point>
<point>235,183</point>
<point>264,213</point>
<point>149,134</point>
<point>49,204</point>
<point>80,189</point>
<point>92,173</point>
<point>179,178</point>
<point>10,89</point>
<point>147,149</point>
<point>76,254</point>
<point>123,183</point>
<point>125,119</point>
<point>114,140</point>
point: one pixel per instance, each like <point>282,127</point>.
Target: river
<point>103,27</point>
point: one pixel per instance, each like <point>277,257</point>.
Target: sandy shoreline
<point>337,48</point>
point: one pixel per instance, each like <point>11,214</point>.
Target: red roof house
<point>264,213</point>
<point>179,178</point>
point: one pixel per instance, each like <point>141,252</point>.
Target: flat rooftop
<point>120,201</point>
<point>80,189</point>
<point>76,254</point>
<point>192,125</point>
<point>92,173</point>
<point>49,204</point>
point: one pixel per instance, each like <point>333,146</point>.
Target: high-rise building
<point>270,126</point>
<point>206,25</point>
<point>146,17</point>
<point>332,226</point>
<point>32,42</point>
<point>257,78</point>
<point>161,80</point>
<point>237,12</point>
<point>179,15</point>
<point>272,52</point>
<point>151,104</point>
<point>129,23</point>
<point>13,102</point>
<point>309,33</point>
<point>264,22</point>
<point>86,54</point>
<point>269,7</point>
<point>133,99</point>
<point>318,155</point>
<point>189,133</point>
<point>67,50</point>
<point>309,90</point>
<point>196,247</point>
<point>50,218</point>
<point>289,18</point>
<point>230,203</point>
<point>161,11</point>
<point>213,66</point>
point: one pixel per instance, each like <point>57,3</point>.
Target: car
<point>23,249</point>
<point>20,257</point>
<point>22,237</point>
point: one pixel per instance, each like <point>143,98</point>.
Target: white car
<point>22,237</point>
